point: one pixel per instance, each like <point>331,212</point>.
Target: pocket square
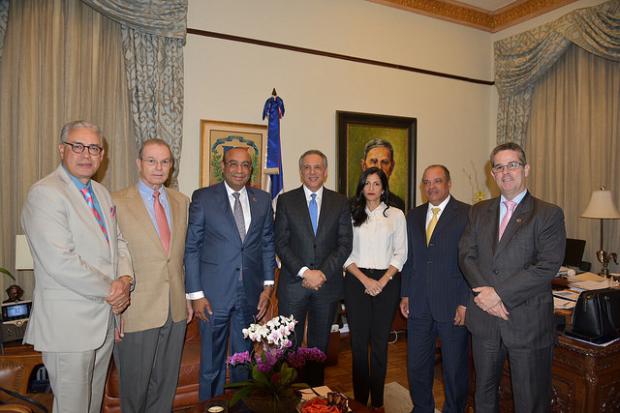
<point>113,211</point>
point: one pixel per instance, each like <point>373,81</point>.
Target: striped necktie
<point>88,197</point>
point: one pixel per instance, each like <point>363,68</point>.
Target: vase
<point>268,403</point>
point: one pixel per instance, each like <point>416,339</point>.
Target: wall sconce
<point>602,207</point>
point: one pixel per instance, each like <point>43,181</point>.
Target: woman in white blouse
<point>372,282</point>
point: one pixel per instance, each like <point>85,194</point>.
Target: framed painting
<point>388,142</point>
<point>216,137</point>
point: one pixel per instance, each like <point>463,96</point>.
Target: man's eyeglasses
<point>153,162</point>
<point>78,147</point>
<point>510,166</point>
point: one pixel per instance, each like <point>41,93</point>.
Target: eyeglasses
<point>510,166</point>
<point>154,162</point>
<point>78,147</point>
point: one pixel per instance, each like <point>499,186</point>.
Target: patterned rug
<point>396,399</point>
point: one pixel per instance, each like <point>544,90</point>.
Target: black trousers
<point>370,320</point>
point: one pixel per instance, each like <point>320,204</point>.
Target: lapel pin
<point>519,220</point>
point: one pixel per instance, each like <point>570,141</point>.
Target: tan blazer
<point>160,280</point>
<point>74,265</point>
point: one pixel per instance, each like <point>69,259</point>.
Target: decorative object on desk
<point>602,207</point>
<point>273,364</point>
<point>334,402</point>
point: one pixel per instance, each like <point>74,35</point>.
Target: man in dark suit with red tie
<point>434,295</point>
<point>229,266</point>
<point>314,237</point>
<point>512,247</point>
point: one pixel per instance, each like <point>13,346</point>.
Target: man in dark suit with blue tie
<point>314,237</point>
<point>229,266</point>
<point>434,295</point>
<point>511,249</point>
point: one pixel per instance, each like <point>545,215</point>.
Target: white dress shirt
<point>381,241</point>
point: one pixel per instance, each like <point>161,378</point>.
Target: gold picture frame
<point>216,136</point>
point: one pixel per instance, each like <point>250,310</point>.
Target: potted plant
<point>273,366</point>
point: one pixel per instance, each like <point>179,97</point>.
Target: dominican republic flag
<point>274,110</point>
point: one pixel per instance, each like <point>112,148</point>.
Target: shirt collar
<point>231,191</point>
<point>148,190</point>
<point>308,192</point>
<point>79,184</point>
<point>517,199</point>
<point>378,210</point>
<point>441,206</point>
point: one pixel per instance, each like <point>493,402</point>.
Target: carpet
<point>396,399</point>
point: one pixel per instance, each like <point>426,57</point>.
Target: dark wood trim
<point>215,35</point>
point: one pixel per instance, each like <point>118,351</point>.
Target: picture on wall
<point>216,137</point>
<point>388,142</point>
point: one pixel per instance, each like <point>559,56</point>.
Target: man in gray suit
<point>82,270</point>
<point>314,238</point>
<point>511,249</point>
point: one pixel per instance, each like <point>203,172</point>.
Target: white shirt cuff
<point>301,272</point>
<point>195,295</point>
<point>269,282</point>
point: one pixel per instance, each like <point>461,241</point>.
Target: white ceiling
<point>488,5</point>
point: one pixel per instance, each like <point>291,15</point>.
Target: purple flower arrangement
<point>274,362</point>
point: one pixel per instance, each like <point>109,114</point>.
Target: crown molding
<point>490,21</point>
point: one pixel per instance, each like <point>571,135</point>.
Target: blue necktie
<point>314,212</point>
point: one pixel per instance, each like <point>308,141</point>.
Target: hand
<point>404,307</point>
<point>263,302</point>
<point>118,297</point>
<point>190,311</point>
<point>459,315</point>
<point>313,279</point>
<point>119,332</point>
<point>486,298</point>
<point>499,311</point>
<point>202,308</point>
<point>373,287</point>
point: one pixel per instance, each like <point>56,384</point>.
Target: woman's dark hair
<point>358,202</point>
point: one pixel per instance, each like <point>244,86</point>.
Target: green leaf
<point>239,395</point>
<point>238,384</point>
<point>7,272</point>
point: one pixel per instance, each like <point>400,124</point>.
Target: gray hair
<point>509,146</point>
<point>78,124</point>
<point>378,143</point>
<point>312,152</point>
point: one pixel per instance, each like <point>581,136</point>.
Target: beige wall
<point>230,81</point>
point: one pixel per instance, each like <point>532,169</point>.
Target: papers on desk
<point>562,304</point>
<point>588,281</point>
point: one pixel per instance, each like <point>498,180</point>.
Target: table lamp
<point>23,261</point>
<point>602,207</point>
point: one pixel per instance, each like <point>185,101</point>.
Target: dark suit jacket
<point>520,268</point>
<point>214,253</point>
<point>431,277</point>
<point>297,246</point>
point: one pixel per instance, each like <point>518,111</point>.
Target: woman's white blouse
<point>381,241</point>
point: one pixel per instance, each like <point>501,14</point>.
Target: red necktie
<point>510,207</point>
<point>162,222</point>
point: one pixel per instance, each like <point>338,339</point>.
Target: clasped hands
<point>373,287</point>
<point>118,297</point>
<point>488,300</point>
<point>313,279</point>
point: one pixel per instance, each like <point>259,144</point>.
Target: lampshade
<point>23,259</point>
<point>601,206</point>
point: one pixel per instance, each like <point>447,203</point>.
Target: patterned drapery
<point>4,20</point>
<point>153,35</point>
<point>522,59</point>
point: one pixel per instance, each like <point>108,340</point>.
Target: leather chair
<point>187,387</point>
<point>16,367</point>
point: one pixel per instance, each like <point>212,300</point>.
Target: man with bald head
<point>229,266</point>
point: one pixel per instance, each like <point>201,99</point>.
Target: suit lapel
<point>226,210</point>
<point>253,210</point>
<point>421,222</point>
<point>301,204</point>
<point>175,217</point>
<point>518,219</point>
<point>325,206</point>
<point>143,218</point>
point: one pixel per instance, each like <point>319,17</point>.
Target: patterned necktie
<point>162,222</point>
<point>432,224</point>
<point>313,208</point>
<point>510,207</point>
<point>238,214</point>
<point>88,197</point>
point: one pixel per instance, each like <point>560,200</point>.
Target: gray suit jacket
<point>74,265</point>
<point>520,267</point>
<point>297,246</point>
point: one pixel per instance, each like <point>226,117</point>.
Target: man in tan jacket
<point>154,221</point>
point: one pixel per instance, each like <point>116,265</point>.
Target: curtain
<point>4,19</point>
<point>61,61</point>
<point>574,142</point>
<point>521,60</point>
<point>153,35</point>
